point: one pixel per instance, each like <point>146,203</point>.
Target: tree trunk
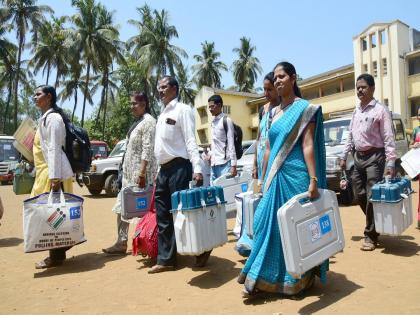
<point>57,76</point>
<point>105,106</point>
<point>75,104</point>
<point>15,118</point>
<point>9,97</point>
<point>85,94</point>
<point>48,72</point>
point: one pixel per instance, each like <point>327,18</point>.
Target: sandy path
<point>386,281</point>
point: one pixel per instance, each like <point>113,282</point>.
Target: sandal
<point>252,295</point>
<point>48,263</point>
<point>116,249</point>
<point>368,246</point>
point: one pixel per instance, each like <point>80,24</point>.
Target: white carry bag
<point>310,230</point>
<point>233,186</point>
<point>52,220</point>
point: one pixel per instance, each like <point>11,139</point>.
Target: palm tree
<point>247,67</point>
<point>7,62</point>
<point>72,85</point>
<point>152,46</point>
<point>51,50</point>
<point>94,37</point>
<point>186,92</point>
<point>22,14</point>
<point>208,71</point>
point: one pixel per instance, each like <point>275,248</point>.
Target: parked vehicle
<point>103,173</point>
<point>9,158</point>
<point>336,132</point>
<point>99,149</point>
<point>246,162</point>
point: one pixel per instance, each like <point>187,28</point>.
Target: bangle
<point>314,178</point>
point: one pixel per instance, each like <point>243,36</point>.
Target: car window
<point>398,129</point>
<point>250,149</point>
<point>118,150</point>
<point>336,132</point>
<point>99,149</point>
<point>8,151</point>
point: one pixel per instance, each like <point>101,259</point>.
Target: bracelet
<point>142,175</point>
<point>314,178</point>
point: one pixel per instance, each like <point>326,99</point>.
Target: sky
<point>316,36</point>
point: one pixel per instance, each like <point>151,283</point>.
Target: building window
<point>415,106</point>
<point>384,67</point>
<point>253,110</point>
<point>398,129</point>
<point>382,35</point>
<point>375,69</point>
<point>386,102</point>
<point>373,40</point>
<point>364,43</point>
<point>365,68</point>
<point>254,133</point>
<point>226,109</point>
<point>414,66</point>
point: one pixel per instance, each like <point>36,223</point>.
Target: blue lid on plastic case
<point>391,191</point>
<point>191,199</point>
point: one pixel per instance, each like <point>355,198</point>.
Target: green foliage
<point>247,67</point>
<point>119,120</point>
<point>208,70</point>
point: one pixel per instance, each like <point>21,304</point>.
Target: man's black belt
<point>173,162</point>
<point>370,151</point>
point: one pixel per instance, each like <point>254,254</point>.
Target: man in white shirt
<point>177,154</point>
<point>223,157</point>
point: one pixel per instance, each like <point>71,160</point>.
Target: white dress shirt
<point>53,136</point>
<point>222,153</point>
<point>175,135</point>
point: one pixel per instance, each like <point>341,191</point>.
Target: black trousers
<point>59,253</point>
<point>169,180</point>
<point>368,170</point>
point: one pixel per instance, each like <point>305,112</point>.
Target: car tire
<point>111,185</point>
<point>95,192</point>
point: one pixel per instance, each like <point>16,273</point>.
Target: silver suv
<point>336,132</point>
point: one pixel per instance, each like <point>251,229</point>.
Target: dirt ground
<point>386,281</point>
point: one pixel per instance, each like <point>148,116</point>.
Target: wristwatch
<point>314,178</point>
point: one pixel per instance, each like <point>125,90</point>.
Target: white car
<point>246,162</point>
<point>103,173</point>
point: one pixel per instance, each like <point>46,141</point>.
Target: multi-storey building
<point>388,51</point>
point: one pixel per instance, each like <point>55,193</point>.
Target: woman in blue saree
<point>295,163</point>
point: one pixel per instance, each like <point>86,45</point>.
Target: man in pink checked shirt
<point>372,142</point>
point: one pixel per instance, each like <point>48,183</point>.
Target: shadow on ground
<point>399,245</point>
<point>395,245</point>
<point>10,242</point>
<point>218,272</point>
<point>80,263</point>
<point>337,288</point>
